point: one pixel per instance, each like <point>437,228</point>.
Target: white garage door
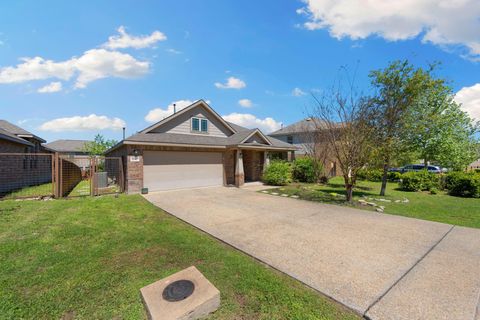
<point>165,170</point>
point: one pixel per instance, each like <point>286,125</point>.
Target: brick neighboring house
<point>195,147</point>
<point>14,139</point>
<point>302,135</point>
<point>19,164</point>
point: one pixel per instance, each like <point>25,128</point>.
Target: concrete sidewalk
<point>383,266</point>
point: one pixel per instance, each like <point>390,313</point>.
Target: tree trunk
<point>384,179</point>
<point>349,189</point>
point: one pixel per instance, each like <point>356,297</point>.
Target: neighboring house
<point>302,135</point>
<point>69,147</point>
<point>14,139</point>
<point>195,147</point>
<point>21,163</point>
<point>73,150</point>
<point>474,165</point>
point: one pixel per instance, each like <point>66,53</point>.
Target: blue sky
<point>179,50</point>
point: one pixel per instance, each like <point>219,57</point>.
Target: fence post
<point>122,177</point>
<point>92,176</point>
<point>56,177</point>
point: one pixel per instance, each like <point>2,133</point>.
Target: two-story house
<point>306,136</point>
<point>195,147</point>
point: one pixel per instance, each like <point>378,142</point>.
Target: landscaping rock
<point>406,200</point>
<point>398,201</point>
<point>274,193</point>
<point>295,197</point>
<point>379,210</point>
<point>284,195</point>
<point>373,204</point>
<point>265,191</point>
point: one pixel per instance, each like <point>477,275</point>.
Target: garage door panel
<point>165,170</point>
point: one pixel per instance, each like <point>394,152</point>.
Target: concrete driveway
<point>382,266</point>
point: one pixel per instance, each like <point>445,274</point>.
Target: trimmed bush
<point>305,170</point>
<point>419,181</point>
<point>370,174</point>
<point>375,175</point>
<point>394,176</point>
<point>463,184</point>
<point>278,173</point>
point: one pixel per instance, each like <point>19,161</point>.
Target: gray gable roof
<point>67,145</point>
<point>304,125</point>
<point>16,130</point>
<point>238,136</point>
<point>13,138</point>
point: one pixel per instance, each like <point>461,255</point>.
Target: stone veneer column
<point>266,160</point>
<point>239,175</point>
<point>135,170</point>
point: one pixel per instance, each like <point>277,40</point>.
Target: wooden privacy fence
<point>33,175</point>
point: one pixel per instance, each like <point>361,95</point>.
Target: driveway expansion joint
<point>407,272</point>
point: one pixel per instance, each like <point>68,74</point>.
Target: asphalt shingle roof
<point>11,137</point>
<point>67,145</point>
<point>16,130</point>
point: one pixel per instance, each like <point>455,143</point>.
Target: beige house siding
<point>182,124</point>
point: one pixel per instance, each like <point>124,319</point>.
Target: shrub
<point>306,169</point>
<point>463,184</point>
<point>370,174</point>
<point>278,173</point>
<point>419,181</point>
<point>394,176</point>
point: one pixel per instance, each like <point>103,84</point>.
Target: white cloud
<point>125,40</point>
<point>86,123</point>
<point>446,23</point>
<point>232,83</point>
<point>267,125</point>
<point>245,103</point>
<point>297,92</point>
<point>51,87</point>
<point>37,68</point>
<point>100,63</point>
<point>158,114</point>
<point>469,97</point>
<point>92,65</point>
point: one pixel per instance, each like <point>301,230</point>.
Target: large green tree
<point>99,145</point>
<point>397,88</point>
<point>438,130</point>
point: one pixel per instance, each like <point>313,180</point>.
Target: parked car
<point>420,167</point>
<point>395,169</point>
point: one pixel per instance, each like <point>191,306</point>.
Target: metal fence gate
<point>40,175</point>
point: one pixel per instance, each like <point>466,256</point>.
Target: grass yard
<point>30,192</point>
<point>81,189</point>
<point>87,258</point>
<point>422,205</point>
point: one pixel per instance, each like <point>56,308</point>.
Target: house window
<point>204,125</point>
<point>199,125</point>
<point>289,139</point>
<point>195,124</point>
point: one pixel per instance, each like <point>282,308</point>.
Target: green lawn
<point>81,189</point>
<point>87,258</point>
<point>33,191</point>
<point>422,205</point>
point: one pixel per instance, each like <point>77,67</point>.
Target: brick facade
<point>253,164</point>
<point>19,171</point>
<point>11,147</point>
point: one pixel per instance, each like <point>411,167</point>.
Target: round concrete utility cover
<point>178,290</point>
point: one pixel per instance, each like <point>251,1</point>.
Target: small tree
<point>99,145</point>
<point>346,123</point>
